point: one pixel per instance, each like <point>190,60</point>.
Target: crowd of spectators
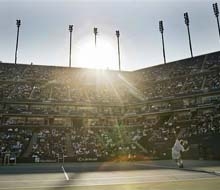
<point>104,143</point>
<point>14,140</point>
<point>22,82</point>
<point>152,137</point>
<point>49,144</point>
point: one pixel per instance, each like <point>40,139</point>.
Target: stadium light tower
<point>216,12</point>
<point>186,17</point>
<point>18,23</point>
<point>119,59</point>
<point>161,31</point>
<point>95,30</point>
<point>70,53</point>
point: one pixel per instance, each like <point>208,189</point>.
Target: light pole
<point>161,31</point>
<point>119,59</point>
<point>186,17</point>
<point>70,53</point>
<point>95,30</point>
<point>18,23</point>
<point>216,12</point>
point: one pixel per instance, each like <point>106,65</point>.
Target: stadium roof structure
<point>95,70</point>
<point>178,61</point>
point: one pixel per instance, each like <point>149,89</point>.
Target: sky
<point>44,35</point>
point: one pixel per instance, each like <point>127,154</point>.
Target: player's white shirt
<point>177,146</point>
<point>176,150</point>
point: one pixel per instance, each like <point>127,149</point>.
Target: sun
<point>101,56</point>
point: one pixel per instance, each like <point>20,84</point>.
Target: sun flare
<point>101,56</point>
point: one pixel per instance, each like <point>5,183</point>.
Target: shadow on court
<point>102,166</point>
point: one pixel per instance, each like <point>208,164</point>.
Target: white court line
<point>66,176</point>
<point>114,183</point>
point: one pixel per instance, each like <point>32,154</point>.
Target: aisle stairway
<point>28,151</point>
<point>69,148</point>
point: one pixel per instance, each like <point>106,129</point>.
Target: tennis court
<point>112,175</point>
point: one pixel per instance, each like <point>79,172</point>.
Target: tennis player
<point>177,149</point>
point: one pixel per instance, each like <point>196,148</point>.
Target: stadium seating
<point>91,115</point>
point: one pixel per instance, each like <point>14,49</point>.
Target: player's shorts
<point>175,155</point>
